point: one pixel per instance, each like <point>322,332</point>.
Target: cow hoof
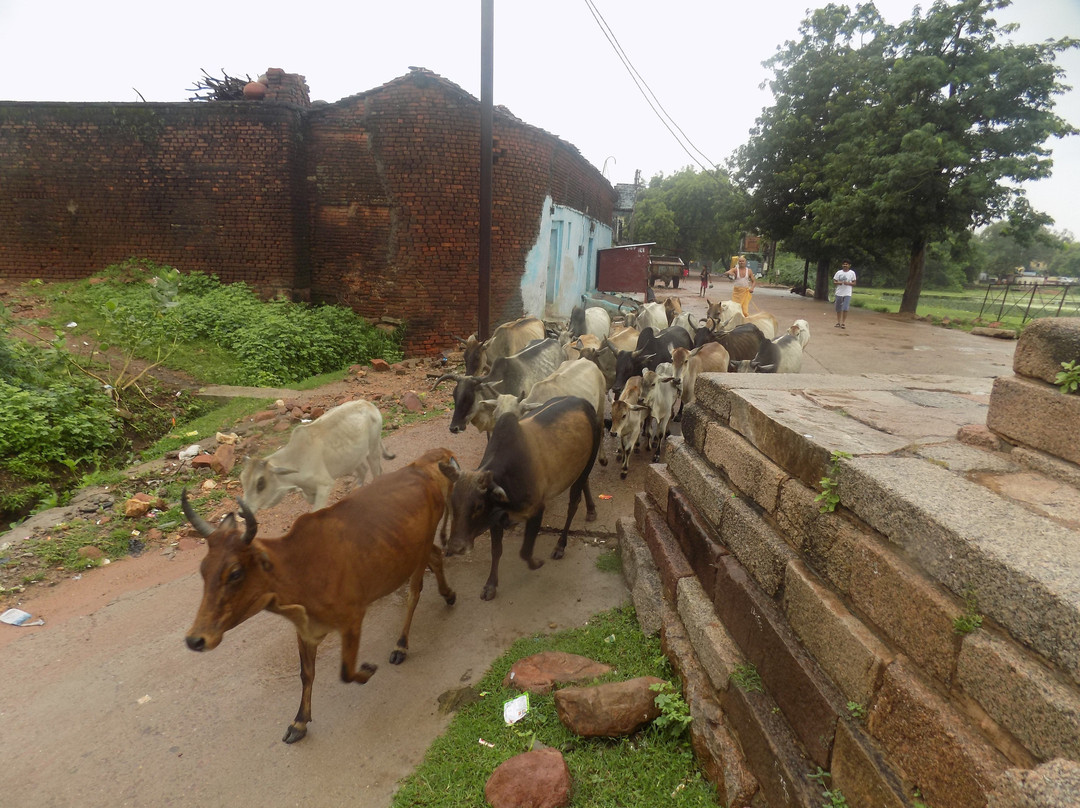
<point>558,552</point>
<point>294,733</point>
<point>397,657</point>
<point>450,599</point>
<point>603,461</point>
<point>488,593</point>
<point>590,516</point>
<point>534,564</point>
<point>622,475</point>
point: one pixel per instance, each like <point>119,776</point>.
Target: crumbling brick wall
<point>370,202</point>
<point>206,187</point>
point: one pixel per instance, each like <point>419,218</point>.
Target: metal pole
<point>487,37</point>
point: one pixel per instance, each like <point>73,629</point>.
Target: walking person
<point>704,280</point>
<point>744,284</point>
<point>844,279</point>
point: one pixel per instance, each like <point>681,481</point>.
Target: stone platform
<point>921,642</point>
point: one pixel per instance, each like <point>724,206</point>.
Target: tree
<point>693,214</point>
<point>928,129</point>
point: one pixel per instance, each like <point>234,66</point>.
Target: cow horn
<point>455,377</point>
<point>249,521</point>
<point>197,522</point>
<point>459,339</point>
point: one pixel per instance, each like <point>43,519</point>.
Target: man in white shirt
<point>844,279</point>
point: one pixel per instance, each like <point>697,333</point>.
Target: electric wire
<point>643,87</point>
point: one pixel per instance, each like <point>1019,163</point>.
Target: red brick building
<point>371,201</point>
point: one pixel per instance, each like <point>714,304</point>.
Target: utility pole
<point>487,37</point>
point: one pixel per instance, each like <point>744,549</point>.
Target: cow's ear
<point>450,469</point>
<point>282,470</point>
<point>264,562</point>
<point>498,494</point>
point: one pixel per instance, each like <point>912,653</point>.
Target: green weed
<point>833,797</point>
<point>830,495</point>
<point>1068,379</point>
<point>970,620</point>
<point>674,718</point>
<point>746,678</point>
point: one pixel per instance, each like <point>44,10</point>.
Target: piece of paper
<point>17,617</point>
<point>515,709</point>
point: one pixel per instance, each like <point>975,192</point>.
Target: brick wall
<point>371,202</point>
<point>206,187</point>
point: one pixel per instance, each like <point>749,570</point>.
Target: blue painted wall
<point>561,266</point>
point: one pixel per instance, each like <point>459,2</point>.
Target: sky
<point>554,68</point>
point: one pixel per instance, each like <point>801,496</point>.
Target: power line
<point>650,97</point>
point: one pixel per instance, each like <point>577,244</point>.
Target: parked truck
<point>667,268</point>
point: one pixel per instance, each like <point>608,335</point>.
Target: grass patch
<point>609,561</point>
<point>650,768</point>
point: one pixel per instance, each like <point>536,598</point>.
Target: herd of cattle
<point>541,394</point>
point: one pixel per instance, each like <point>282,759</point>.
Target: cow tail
<point>387,455</point>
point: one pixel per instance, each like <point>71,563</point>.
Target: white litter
<point>17,617</point>
<point>190,452</point>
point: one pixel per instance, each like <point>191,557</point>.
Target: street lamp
<point>603,171</point>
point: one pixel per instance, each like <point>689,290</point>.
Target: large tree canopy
<point>693,214</point>
<point>883,137</point>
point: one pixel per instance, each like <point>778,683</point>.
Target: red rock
<point>201,461</point>
<point>90,552</point>
<point>540,672</point>
<point>608,710</point>
<point>318,412</point>
<point>380,365</point>
<point>224,459</point>
<point>266,415</point>
<point>135,508</point>
<point>411,401</point>
<point>536,779</point>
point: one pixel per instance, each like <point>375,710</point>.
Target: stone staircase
<point>921,642</point>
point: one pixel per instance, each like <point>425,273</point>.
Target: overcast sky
<point>554,68</point>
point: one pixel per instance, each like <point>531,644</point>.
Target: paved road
<point>104,706</point>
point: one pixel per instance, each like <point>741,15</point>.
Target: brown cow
<point>527,463</point>
<point>324,573</point>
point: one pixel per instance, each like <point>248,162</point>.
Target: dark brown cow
<point>526,463</point>
<point>324,573</point>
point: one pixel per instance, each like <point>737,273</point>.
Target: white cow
<point>346,440</point>
<point>651,315</point>
<point>728,314</point>
<point>709,358</point>
<point>663,389</point>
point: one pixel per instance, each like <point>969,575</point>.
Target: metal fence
<point>1029,301</point>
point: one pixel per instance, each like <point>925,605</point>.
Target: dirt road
<point>105,706</point>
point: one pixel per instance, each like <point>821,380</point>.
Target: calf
<point>652,349</point>
<point>627,416</point>
<point>327,570</point>
<point>345,440</point>
<point>672,308</point>
<point>651,315</point>
<point>527,462</point>
<point>663,386</point>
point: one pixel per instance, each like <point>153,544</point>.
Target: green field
<point>1010,306</point>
